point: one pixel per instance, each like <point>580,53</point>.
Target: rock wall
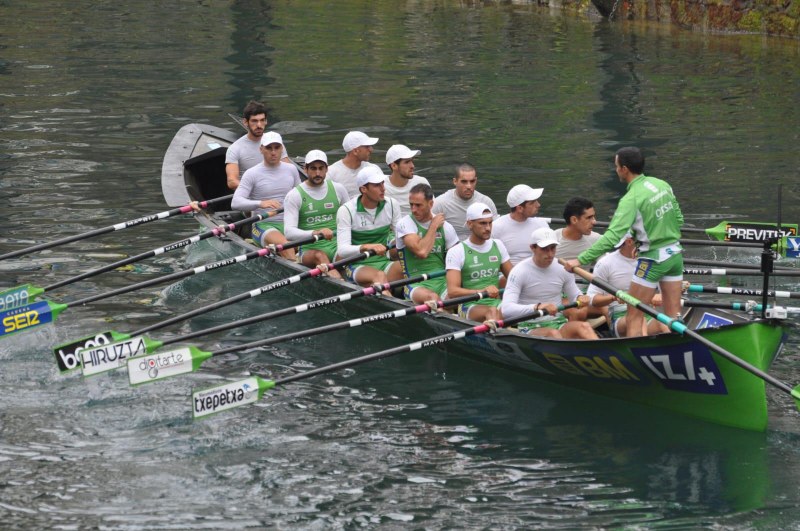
<point>771,17</point>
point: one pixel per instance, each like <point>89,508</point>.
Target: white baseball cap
<point>316,155</point>
<point>399,151</point>
<point>478,211</point>
<point>353,139</point>
<point>370,174</point>
<point>271,137</point>
<point>622,241</point>
<point>544,237</point>
<point>521,193</point>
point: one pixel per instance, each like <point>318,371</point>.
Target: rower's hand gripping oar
<point>243,392</point>
<point>682,329</point>
<point>118,226</point>
<point>117,347</point>
<point>188,359</point>
<point>35,314</point>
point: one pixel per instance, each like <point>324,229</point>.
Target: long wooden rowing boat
<point>668,371</point>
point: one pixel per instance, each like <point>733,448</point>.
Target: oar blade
<point>29,316</point>
<point>796,396</point>
<point>104,358</point>
<point>160,365</point>
<point>19,296</point>
<point>228,396</point>
<point>68,355</point>
<point>749,231</point>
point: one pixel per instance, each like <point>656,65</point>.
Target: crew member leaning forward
<point>475,265</point>
<point>365,222</point>
<point>422,243</point>
<point>539,283</point>
<point>650,212</point>
<point>310,210</point>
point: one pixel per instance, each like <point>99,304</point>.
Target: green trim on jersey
<point>649,211</point>
<point>481,270</point>
<point>380,235</point>
<point>414,265</point>
<point>316,214</point>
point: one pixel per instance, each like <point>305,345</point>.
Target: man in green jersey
<point>650,212</point>
<point>310,209</point>
<point>422,243</point>
<point>367,222</point>
<point>475,265</point>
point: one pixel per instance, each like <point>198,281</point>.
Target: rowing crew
<point>425,240</point>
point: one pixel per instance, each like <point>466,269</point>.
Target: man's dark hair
<point>423,189</point>
<point>464,166</point>
<point>253,108</point>
<point>576,207</point>
<point>633,158</point>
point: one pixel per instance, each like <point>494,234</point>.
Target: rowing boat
<point>669,371</point>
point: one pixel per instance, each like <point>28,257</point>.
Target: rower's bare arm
<point>421,247</point>
<point>232,173</point>
<point>454,288</point>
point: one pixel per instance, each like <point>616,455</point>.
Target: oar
<point>739,306</point>
<point>111,228</point>
<point>737,265</point>
<point>725,231</point>
<point>699,288</point>
<point>32,291</point>
<point>108,350</point>
<point>738,272</point>
<point>243,392</point>
<point>682,329</point>
<point>55,309</point>
<point>375,289</point>
<point>187,359</point>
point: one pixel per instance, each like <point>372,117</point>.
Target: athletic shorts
<point>555,323</point>
<point>615,318</point>
<point>649,273</point>
<point>262,228</point>
<point>436,285</point>
<point>463,309</point>
<point>380,263</point>
<point>326,246</point>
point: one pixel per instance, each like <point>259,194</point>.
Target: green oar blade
<point>104,358</point>
<point>146,369</point>
<point>68,355</point>
<point>231,395</point>
<point>19,296</point>
<point>796,396</point>
<point>29,316</point>
<point>749,231</point>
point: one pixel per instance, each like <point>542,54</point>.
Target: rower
<point>264,187</point>
<point>358,149</point>
<point>365,222</point>
<point>422,243</point>
<point>400,160</point>
<point>539,284</point>
<point>245,152</point>
<point>475,266</point>
<point>454,203</point>
<point>310,209</point>
<point>617,269</point>
<point>514,229</point>
<point>577,236</point>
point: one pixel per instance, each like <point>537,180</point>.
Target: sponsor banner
<point>22,317</point>
<point>17,296</point>
<point>685,367</point>
<point>756,232</point>
<point>111,356</point>
<point>710,320</point>
<point>144,369</point>
<point>792,247</point>
<point>228,396</point>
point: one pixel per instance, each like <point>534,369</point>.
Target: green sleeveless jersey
<point>316,214</point>
<point>414,265</point>
<point>480,270</point>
